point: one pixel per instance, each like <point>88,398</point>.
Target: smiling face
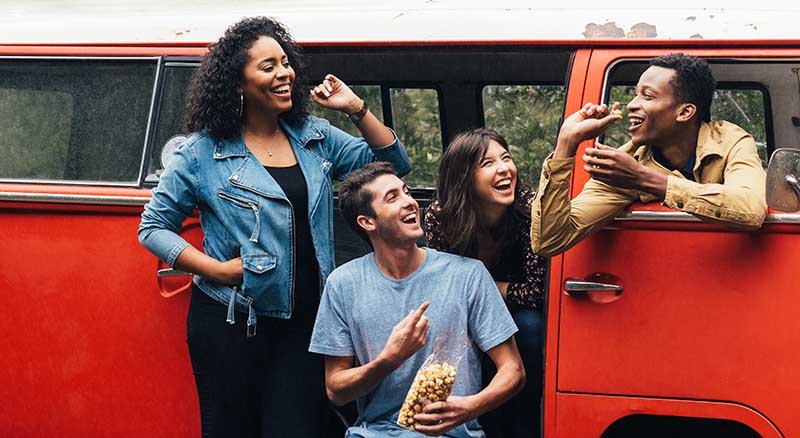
<point>267,78</point>
<point>396,212</point>
<point>494,178</point>
<point>654,112</point>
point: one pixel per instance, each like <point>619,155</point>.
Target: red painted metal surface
<point>89,346</point>
<point>703,327</point>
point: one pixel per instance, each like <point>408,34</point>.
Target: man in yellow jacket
<point>676,156</point>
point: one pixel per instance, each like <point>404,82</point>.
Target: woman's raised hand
<point>334,94</point>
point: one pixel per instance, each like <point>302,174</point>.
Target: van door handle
<point>599,287</point>
<point>584,286</point>
<point>169,272</point>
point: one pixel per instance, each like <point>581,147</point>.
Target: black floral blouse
<point>517,264</point>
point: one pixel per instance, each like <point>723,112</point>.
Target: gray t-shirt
<point>360,306</point>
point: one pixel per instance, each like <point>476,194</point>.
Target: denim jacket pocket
<point>256,266</point>
<point>259,263</point>
<point>244,203</point>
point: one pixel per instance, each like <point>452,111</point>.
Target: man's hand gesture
<point>407,337</point>
<point>617,168</point>
<point>587,123</point>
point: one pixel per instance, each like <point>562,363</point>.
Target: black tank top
<point>306,269</point>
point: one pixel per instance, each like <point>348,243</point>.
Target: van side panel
<point>706,315</point>
<point>90,348</point>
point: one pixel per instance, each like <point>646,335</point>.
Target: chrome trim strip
<point>659,216</point>
<point>137,201</point>
<point>83,58</point>
<point>678,216</point>
<point>150,116</point>
<point>64,198</point>
<point>69,182</point>
<point>783,218</point>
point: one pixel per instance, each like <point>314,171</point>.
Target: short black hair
<point>214,98</point>
<point>354,200</point>
<point>693,81</point>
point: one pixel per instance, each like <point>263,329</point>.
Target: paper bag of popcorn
<point>433,382</point>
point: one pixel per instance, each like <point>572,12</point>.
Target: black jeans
<point>265,386</point>
<point>520,417</point>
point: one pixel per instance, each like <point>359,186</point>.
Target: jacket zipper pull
<point>231,303</point>
<point>251,320</point>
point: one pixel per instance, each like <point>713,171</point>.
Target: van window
<point>73,120</point>
<point>415,116</point>
<point>170,113</point>
<point>527,117</point>
<point>736,104</point>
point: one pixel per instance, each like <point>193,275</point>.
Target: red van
<point>698,335</point>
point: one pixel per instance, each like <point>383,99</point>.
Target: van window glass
<point>74,120</point>
<point>741,106</point>
<point>527,117</point>
<point>415,115</point>
<point>371,95</point>
<point>170,114</point>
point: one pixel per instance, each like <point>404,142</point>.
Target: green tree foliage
<point>416,121</point>
<point>527,116</point>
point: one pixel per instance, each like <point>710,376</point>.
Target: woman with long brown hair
<point>482,210</point>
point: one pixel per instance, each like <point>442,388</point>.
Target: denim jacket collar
<point>250,174</point>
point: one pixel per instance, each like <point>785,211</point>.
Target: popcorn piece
<point>431,384</point>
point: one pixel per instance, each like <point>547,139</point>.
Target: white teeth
<point>281,89</point>
<point>411,218</point>
<point>502,185</point>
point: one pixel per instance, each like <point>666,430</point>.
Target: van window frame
<point>158,94</point>
<point>136,183</point>
<point>769,133</point>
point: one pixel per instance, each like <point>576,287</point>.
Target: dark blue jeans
<point>521,416</point>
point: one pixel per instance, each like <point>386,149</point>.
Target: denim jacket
<point>244,212</point>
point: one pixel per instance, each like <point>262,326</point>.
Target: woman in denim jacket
<point>259,169</point>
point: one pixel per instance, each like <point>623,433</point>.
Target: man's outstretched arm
<point>558,223</point>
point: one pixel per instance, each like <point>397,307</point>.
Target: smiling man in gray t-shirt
<point>381,315</point>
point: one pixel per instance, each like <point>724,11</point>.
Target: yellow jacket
<point>730,189</point>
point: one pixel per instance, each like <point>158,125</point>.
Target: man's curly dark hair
<point>214,101</point>
<point>693,81</point>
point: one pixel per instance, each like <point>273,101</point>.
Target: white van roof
<point>381,21</point>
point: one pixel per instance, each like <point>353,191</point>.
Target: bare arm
<point>508,380</point>
<point>195,261</point>
<point>334,94</point>
<point>345,383</point>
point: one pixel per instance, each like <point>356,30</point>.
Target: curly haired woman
<point>259,169</point>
